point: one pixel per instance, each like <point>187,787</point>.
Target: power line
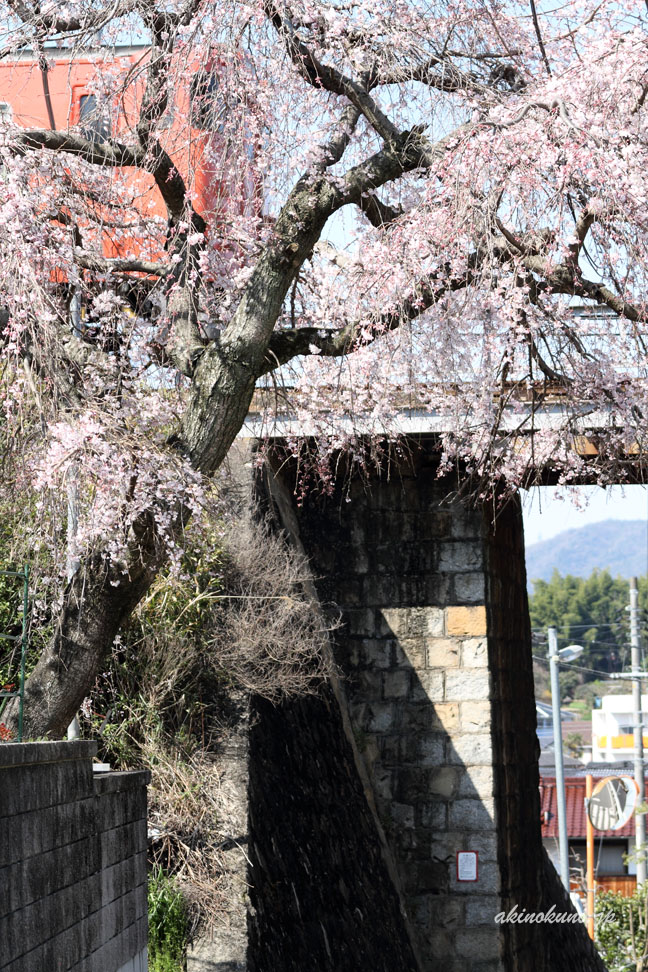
<point>578,627</point>
<point>592,624</point>
<point>536,632</point>
<point>618,645</point>
<point>578,668</point>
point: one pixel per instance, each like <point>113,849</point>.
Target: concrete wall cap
<point>117,780</point>
<point>17,754</point>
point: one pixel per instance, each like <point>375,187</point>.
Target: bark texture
<point>97,601</point>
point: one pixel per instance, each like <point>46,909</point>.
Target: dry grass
<point>191,812</point>
<point>267,634</point>
<point>238,623</point>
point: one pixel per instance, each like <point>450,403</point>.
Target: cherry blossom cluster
<point>503,271</point>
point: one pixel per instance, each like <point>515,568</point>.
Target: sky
<point>546,514</point>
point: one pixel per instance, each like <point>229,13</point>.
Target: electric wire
<point>573,627</point>
<point>578,668</point>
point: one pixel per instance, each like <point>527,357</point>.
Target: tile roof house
<point>613,869</point>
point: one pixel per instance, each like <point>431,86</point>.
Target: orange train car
<point>99,94</point>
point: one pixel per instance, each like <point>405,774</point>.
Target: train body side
<point>100,95</point>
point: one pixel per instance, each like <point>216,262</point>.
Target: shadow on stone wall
<point>321,894</point>
<point>360,800</point>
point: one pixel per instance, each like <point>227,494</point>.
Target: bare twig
<point>538,32</point>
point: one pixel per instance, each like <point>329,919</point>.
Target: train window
<point>92,119</point>
<point>207,102</point>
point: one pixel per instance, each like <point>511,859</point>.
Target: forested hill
<point>618,545</point>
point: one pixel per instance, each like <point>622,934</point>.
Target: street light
<point>570,652</point>
<point>555,657</point>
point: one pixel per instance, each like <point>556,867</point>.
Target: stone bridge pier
<point>361,798</point>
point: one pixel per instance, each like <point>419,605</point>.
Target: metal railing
<point>5,692</point>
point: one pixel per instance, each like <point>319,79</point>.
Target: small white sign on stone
<point>467,865</point>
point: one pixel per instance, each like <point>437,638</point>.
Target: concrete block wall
<point>121,919</point>
<point>72,862</point>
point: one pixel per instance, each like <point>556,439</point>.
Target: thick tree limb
<point>113,154</point>
<point>225,375</point>
<point>321,75</point>
<point>583,224</point>
<point>378,213</point>
<point>92,261</point>
<point>185,344</point>
<point>436,72</point>
<point>54,24</point>
<point>155,98</point>
<point>335,148</point>
<point>105,153</point>
<point>565,279</point>
<point>603,295</point>
<point>287,344</point>
<point>97,602</point>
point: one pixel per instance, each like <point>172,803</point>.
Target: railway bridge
<point>395,817</point>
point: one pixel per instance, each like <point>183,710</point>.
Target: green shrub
<point>168,924</point>
<point>622,930</point>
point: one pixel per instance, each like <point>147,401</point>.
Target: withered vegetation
<point>235,620</point>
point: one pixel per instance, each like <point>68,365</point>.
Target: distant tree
<point>574,744</point>
<point>589,612</point>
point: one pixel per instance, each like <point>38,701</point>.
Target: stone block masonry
<point>419,688</point>
<point>321,893</point>
<point>438,705</point>
<point>72,862</point>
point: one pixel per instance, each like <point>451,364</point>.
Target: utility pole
<point>640,818</point>
<point>590,889</point>
<point>560,767</point>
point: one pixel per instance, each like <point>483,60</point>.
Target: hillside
<point>619,545</point>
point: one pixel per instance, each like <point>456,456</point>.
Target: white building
<point>613,728</point>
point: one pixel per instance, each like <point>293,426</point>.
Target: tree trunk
<point>97,601</point>
<point>223,377</point>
